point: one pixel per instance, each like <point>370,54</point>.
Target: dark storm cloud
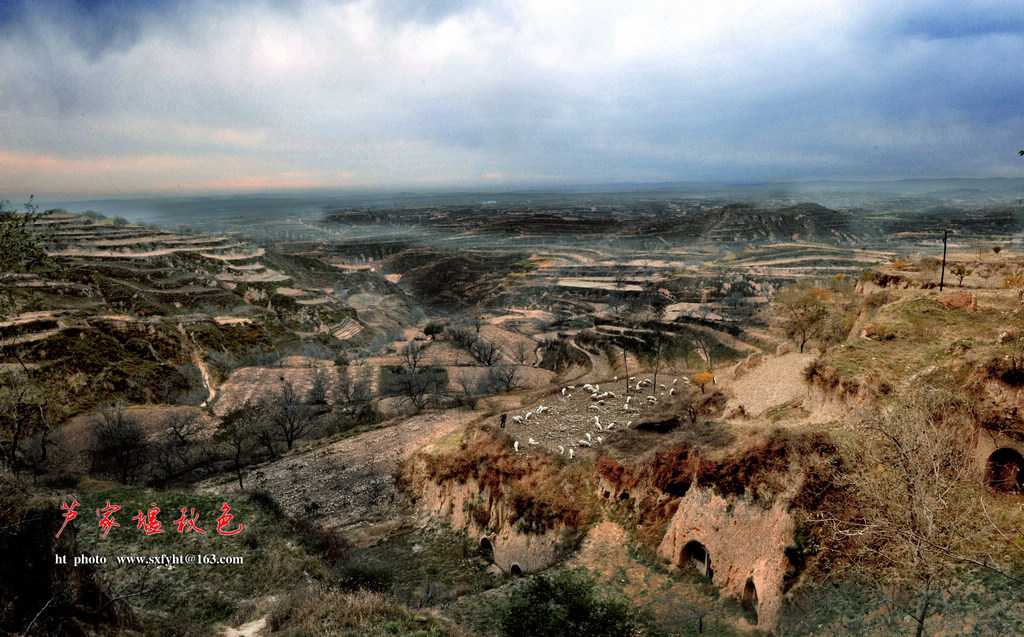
<point>963,20</point>
<point>224,95</point>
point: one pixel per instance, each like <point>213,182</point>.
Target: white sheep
<point>588,387</point>
<point>651,400</point>
<point>600,440</point>
<point>588,436</point>
<point>595,407</point>
<point>532,441</point>
<point>609,426</point>
<point>572,387</point>
<point>563,391</point>
<point>675,380</point>
<point>628,398</point>
<point>528,414</point>
<point>571,451</point>
<point>672,391</point>
<point>542,409</point>
<point>561,450</point>
<point>517,419</point>
<point>583,443</point>
<point>597,388</point>
<point>662,386</point>
<point>516,446</point>
<point>628,423</point>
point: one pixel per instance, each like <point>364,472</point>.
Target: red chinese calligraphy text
<point>107,518</point>
<point>186,524</point>
<point>69,514</point>
<point>225,519</point>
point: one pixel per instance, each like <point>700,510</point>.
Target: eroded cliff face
<point>492,522</point>
<point>733,518</point>
<point>738,543</point>
<point>524,507</point>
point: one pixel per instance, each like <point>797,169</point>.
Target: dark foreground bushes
<point>568,604</point>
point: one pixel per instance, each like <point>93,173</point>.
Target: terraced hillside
<point>136,311</point>
<point>448,412</point>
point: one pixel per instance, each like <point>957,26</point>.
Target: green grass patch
<point>191,599</point>
<point>427,568</point>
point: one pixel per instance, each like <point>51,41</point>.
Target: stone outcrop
<point>960,301</point>
<point>747,364</point>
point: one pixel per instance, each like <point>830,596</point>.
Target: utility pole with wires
<point>942,277</point>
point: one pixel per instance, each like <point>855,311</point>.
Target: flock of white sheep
<point>599,399</point>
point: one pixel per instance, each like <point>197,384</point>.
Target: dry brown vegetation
<point>869,479</point>
<point>541,492</point>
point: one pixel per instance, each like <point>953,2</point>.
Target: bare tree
<point>237,432</point>
<point>485,352</point>
<point>469,389</point>
<point>321,380</point>
<point>21,413</point>
<point>657,309</point>
<point>121,448</point>
<point>289,418</point>
<point>352,394</point>
<point>521,352</point>
<point>412,354</point>
<point>702,343</point>
<point>419,388</point>
<point>461,336</point>
<point>918,510</point>
<point>500,378</point>
<point>173,451</point>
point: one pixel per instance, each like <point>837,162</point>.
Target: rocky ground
<point>350,484</point>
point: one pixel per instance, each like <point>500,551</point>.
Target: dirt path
<point>251,629</point>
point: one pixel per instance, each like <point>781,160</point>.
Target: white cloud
<point>376,93</point>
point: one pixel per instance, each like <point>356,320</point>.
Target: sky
<point>116,98</point>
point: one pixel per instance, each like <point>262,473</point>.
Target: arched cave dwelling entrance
<point>516,570</point>
<point>1005,470</point>
<point>487,548</point>
<point>696,555</point>
<point>749,601</point>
